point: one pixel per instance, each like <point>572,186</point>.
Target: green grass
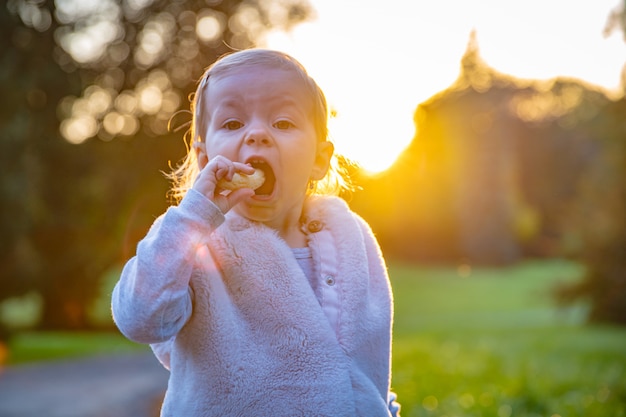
<point>38,346</point>
<point>30,346</point>
<point>494,344</point>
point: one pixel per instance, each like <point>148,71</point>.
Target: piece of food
<point>240,180</point>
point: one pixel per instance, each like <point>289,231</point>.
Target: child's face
<point>263,116</point>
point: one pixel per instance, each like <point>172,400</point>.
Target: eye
<point>283,125</point>
<point>232,125</point>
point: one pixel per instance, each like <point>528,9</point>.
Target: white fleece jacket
<point>227,309</point>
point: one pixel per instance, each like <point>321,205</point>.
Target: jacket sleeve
<point>152,300</point>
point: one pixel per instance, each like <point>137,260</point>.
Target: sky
<point>377,63</point>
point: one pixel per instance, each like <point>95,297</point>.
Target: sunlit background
<point>377,61</point>
<point>497,132</point>
<point>397,74</point>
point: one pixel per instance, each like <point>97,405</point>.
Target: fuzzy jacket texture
<point>227,309</point>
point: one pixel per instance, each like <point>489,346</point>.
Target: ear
<point>201,156</point>
<point>323,156</point>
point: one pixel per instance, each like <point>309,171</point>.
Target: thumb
<point>237,196</point>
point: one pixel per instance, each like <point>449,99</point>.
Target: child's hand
<point>216,169</point>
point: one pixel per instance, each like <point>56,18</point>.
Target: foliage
<point>495,344</point>
<point>600,211</point>
<point>602,230</point>
<point>503,169</point>
<point>499,169</point>
<point>617,20</point>
<point>88,89</point>
<point>492,172</point>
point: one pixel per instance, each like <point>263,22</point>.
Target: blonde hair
<point>337,179</point>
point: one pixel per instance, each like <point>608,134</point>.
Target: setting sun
<point>376,64</point>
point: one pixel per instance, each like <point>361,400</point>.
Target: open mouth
<point>270,179</point>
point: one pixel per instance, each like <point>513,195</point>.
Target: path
<point>129,385</point>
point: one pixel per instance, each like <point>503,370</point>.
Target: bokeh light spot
<point>466,400</point>
<point>113,123</point>
<point>78,129</point>
<point>150,99</point>
<point>90,43</point>
<point>131,125</point>
<point>151,42</point>
<point>99,100</point>
<point>430,403</point>
<point>208,28</point>
<point>126,102</point>
<point>120,124</point>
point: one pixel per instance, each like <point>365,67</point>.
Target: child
<point>266,302</point>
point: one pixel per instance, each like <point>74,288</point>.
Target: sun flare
<point>377,64</point>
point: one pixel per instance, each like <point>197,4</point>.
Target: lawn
<point>39,346</point>
<point>488,342</point>
<point>494,344</point>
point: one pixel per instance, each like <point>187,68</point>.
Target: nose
<point>258,134</point>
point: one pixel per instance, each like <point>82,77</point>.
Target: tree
<point>601,212</point>
<point>496,170</point>
<point>617,21</point>
<point>88,91</point>
<point>454,193</point>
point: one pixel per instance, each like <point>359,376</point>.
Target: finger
<point>237,196</point>
<point>225,202</point>
<point>221,167</point>
<point>244,168</point>
<point>218,167</point>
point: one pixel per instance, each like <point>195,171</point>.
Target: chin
<point>253,211</point>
